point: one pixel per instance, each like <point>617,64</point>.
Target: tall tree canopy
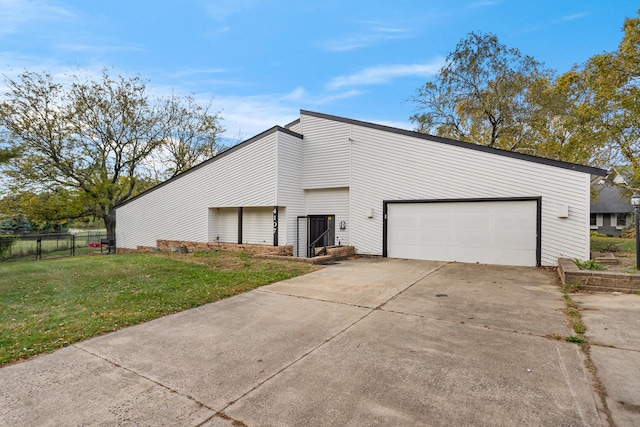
<point>7,154</point>
<point>482,95</point>
<point>102,140</point>
<point>610,102</point>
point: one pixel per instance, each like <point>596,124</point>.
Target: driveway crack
<point>328,340</point>
<point>156,382</point>
<point>429,273</point>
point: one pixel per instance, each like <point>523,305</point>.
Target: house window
<point>621,220</point>
<point>592,220</point>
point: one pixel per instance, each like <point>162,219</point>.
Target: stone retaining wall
<point>262,251</point>
<point>166,245</point>
<point>333,254</point>
<point>595,280</point>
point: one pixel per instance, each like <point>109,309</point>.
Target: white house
<point>383,190</point>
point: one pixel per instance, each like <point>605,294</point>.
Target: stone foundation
<point>261,251</point>
<point>599,281</point>
<point>166,245</point>
<point>333,254</point>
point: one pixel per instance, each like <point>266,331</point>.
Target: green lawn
<point>48,304</point>
<point>600,244</point>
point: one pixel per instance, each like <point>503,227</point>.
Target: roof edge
<point>527,157</point>
<point>292,123</point>
<point>216,157</point>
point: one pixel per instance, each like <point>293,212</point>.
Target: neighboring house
<point>611,211</point>
<point>383,190</point>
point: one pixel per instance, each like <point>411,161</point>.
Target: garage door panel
<point>514,240</point>
<point>435,238</point>
<point>514,257</point>
<point>469,254</point>
<point>512,223</point>
<point>471,223</point>
<point>491,232</point>
<point>472,239</point>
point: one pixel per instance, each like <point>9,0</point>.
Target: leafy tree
<point>7,154</point>
<point>611,102</point>
<point>104,139</point>
<point>14,225</point>
<point>47,211</point>
<point>482,95</point>
<point>560,121</point>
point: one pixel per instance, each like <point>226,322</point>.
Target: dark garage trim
<point>537,199</point>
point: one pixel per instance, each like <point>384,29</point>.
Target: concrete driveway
<point>365,342</point>
<point>613,329</point>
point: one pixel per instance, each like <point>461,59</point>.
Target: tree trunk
<point>110,224</point>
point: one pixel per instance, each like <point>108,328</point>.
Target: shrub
<point>588,264</point>
<point>6,241</point>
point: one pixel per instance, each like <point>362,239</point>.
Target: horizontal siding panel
<point>326,155</point>
<point>224,228</point>
<point>290,194</point>
<point>420,169</point>
<point>257,226</point>
<point>178,210</point>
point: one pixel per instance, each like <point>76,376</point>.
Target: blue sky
<point>262,61</point>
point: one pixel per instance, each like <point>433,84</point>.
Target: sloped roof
<point>215,158</point>
<point>398,131</point>
<point>610,199</point>
<point>535,159</point>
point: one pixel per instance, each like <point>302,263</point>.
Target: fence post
<point>73,245</point>
<point>39,248</point>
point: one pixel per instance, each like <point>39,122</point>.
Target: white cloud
<point>15,14</point>
<point>374,33</point>
<point>97,48</point>
<point>381,74</point>
<point>486,3</point>
<point>196,71</point>
<point>572,17</point>
<point>246,116</point>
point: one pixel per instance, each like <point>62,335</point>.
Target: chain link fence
<point>54,245</point>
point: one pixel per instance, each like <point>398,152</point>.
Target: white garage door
<point>491,232</point>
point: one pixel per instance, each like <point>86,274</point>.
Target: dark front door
<point>317,225</point>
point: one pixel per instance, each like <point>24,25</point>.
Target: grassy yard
<point>600,244</point>
<point>49,304</point>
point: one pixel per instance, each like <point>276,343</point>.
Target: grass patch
<point>602,244</point>
<point>45,305</point>
<point>573,313</point>
<point>570,288</point>
<point>575,339</point>
<point>588,264</point>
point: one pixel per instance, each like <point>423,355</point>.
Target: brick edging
<point>599,281</point>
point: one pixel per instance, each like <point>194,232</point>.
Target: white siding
<point>297,127</point>
<point>179,209</point>
<point>290,193</point>
<point>257,225</point>
<point>331,201</point>
<point>389,166</point>
<point>325,154</point>
<point>223,226</point>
